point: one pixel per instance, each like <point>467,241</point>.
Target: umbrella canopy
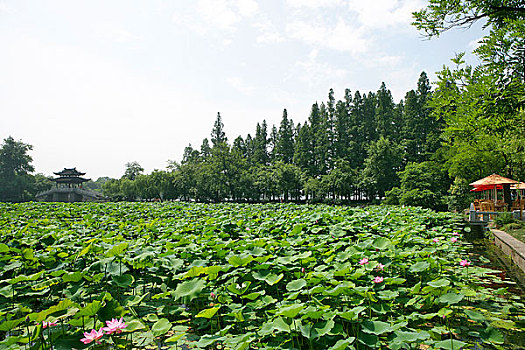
<point>485,188</point>
<point>493,180</point>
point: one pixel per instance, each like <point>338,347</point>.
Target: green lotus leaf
<point>61,306</point>
<point>475,316</point>
<point>6,326</point>
<point>213,272</point>
<point>162,326</point>
<point>268,277</point>
<point>451,298</point>
<point>376,327</point>
<point>254,295</point>
<point>387,294</point>
<point>240,260</point>
<point>22,278</point>
<point>382,243</point>
<point>306,330</point>
<point>3,248</point>
<point>322,328</point>
<point>450,344</point>
<point>124,281</point>
<point>118,249</point>
<point>344,287</point>
<point>112,309</point>
<point>342,344</point>
<point>239,289</point>
<point>492,335</point>
<point>419,267</point>
<point>368,339</point>
<point>90,309</point>
<point>353,314</point>
<point>290,310</point>
<point>189,288</point>
<point>295,285</point>
<point>443,282</point>
<point>208,313</point>
<point>174,338</point>
<point>408,337</point>
<point>207,340</point>
<point>195,271</point>
<point>280,325</point>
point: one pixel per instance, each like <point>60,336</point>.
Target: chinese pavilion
<point>70,178</point>
<point>69,189</point>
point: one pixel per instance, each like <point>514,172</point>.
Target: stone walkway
<point>511,247</point>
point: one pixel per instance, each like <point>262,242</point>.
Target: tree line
<point>351,149</point>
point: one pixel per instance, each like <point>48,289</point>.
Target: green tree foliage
<point>422,184</point>
<point>381,166</point>
<point>260,144</point>
<point>484,123</point>
<point>133,169</point>
<point>218,136</point>
<point>442,15</point>
<point>387,120</point>
<point>16,183</point>
<point>482,106</point>
<point>285,142</point>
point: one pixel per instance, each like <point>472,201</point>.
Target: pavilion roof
<point>69,172</point>
<point>492,180</point>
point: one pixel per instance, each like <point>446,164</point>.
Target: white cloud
<point>239,85</point>
<point>123,36</point>
<point>385,13</point>
<point>116,34</point>
<point>218,14</point>
<point>314,71</point>
<point>314,3</point>
<point>208,16</point>
<point>269,34</point>
<point>341,37</point>
<point>374,61</point>
<point>247,7</point>
<point>4,8</point>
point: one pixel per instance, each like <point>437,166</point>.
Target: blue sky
<point>96,84</point>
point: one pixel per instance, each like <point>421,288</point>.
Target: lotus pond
<point>231,276</point>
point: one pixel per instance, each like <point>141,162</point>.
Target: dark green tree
<point>260,144</point>
<point>15,169</point>
<point>133,169</point>
<point>218,136</point>
<point>285,142</point>
<point>205,149</point>
<point>381,167</point>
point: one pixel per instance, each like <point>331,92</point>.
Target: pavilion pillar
<point>506,196</point>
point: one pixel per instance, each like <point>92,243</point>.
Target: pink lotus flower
<point>48,324</point>
<point>363,261</point>
<point>380,267</point>
<point>454,239</point>
<point>435,240</point>
<point>464,263</point>
<point>302,269</point>
<point>378,279</point>
<point>455,234</point>
<point>212,295</point>
<point>114,326</point>
<point>434,229</point>
<point>93,335</point>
